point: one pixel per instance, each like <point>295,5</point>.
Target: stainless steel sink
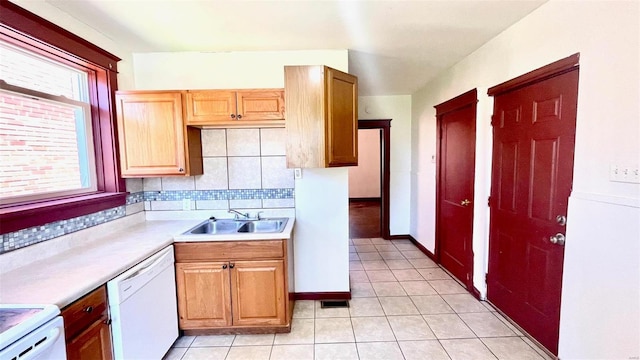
<point>263,226</point>
<point>215,227</point>
<point>230,226</point>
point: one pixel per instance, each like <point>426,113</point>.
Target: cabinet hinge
<point>489,201</point>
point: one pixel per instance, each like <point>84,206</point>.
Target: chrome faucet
<point>238,214</point>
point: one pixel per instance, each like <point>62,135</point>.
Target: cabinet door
<point>342,119</point>
<point>260,105</point>
<point>204,300</point>
<point>258,292</point>
<point>92,344</point>
<point>210,106</point>
<point>151,133</point>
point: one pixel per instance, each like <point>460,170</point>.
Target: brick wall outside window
<point>38,147</point>
<point>38,138</point>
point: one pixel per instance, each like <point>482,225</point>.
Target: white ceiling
<point>395,47</point>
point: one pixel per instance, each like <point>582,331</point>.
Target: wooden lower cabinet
<point>93,343</point>
<point>257,289</point>
<point>240,293</point>
<point>86,327</point>
<point>204,297</point>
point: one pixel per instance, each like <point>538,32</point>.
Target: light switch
<point>297,173</point>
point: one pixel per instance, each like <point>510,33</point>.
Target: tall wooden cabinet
<point>153,138</point>
<point>235,108</point>
<point>322,117</point>
<point>239,285</point>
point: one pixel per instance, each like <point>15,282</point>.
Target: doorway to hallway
<point>369,182</point>
<point>364,218</point>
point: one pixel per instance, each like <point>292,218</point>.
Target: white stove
<point>31,332</point>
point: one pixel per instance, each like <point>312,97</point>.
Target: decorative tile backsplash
<point>36,234</point>
<point>243,168</point>
<point>244,194</point>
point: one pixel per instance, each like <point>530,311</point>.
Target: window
<point>58,155</point>
<point>46,138</point>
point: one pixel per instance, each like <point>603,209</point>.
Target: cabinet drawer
<point>229,250</point>
<point>84,312</point>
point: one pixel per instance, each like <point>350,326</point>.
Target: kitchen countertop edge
<point>56,280</point>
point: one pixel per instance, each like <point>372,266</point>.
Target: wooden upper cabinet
<point>235,108</point>
<point>260,104</point>
<point>322,117</point>
<point>208,106</point>
<point>153,138</point>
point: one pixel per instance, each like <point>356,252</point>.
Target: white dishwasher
<point>143,307</point>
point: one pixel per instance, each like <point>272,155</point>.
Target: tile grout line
<point>396,341</point>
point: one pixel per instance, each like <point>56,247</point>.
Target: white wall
<point>364,179</point>
<point>398,109</point>
<point>226,70</point>
<point>64,20</point>
<point>321,252</point>
<point>606,34</point>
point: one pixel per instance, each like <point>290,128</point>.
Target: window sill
<point>18,217</point>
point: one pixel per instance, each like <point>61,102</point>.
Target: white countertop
<point>62,278</point>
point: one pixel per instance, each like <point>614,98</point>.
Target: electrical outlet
<point>186,204</point>
<point>624,173</point>
<point>635,175</point>
<point>297,173</point>
<point>614,172</point>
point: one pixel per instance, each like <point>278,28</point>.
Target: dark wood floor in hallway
<point>364,219</point>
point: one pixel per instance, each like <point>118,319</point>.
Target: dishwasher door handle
<point>146,268</point>
<point>130,281</point>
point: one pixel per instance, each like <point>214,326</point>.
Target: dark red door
<point>456,172</point>
<point>533,146</point>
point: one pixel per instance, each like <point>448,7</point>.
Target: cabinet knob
<point>239,116</point>
<point>224,266</point>
<point>233,116</point>
<point>181,170</point>
<point>231,266</point>
<point>88,309</point>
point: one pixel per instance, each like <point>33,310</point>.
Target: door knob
<point>557,239</point>
<point>465,202</point>
<point>561,220</point>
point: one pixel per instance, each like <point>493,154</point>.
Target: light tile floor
<point>404,307</point>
